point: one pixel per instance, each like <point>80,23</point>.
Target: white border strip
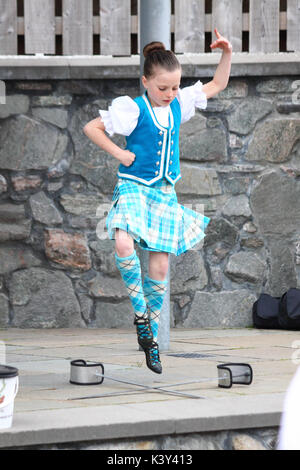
<point>184,59</point>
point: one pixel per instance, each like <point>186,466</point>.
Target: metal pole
<point>155,25</point>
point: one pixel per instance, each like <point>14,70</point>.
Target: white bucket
<point>9,385</point>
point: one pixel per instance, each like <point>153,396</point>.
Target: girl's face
<point>163,86</point>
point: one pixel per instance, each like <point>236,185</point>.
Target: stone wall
<point>240,161</point>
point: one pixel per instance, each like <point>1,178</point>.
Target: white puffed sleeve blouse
<point>122,116</point>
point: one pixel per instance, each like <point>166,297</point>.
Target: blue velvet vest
<point>156,147</point>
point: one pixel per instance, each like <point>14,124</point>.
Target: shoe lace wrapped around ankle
<point>143,331</point>
<point>143,328</point>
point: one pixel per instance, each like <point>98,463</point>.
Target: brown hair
<point>156,55</point>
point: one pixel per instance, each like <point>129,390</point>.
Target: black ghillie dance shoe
<point>144,332</point>
<point>152,358</point>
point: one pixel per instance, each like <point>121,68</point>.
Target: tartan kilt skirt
<point>152,216</point>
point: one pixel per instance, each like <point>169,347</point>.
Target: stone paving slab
<point>136,419</point>
<point>45,413</point>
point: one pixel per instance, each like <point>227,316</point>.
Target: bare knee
<point>158,266</point>
<point>124,243</point>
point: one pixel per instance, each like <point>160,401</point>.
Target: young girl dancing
<point>144,207</point>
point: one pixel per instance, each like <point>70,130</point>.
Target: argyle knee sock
<point>154,292</point>
<point>130,269</point>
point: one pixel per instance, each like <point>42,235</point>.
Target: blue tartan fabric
<point>154,218</point>
<point>130,269</point>
<point>154,292</point>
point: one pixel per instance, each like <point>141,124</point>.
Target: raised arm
<point>221,77</point>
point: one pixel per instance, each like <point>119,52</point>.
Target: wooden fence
<point>110,27</point>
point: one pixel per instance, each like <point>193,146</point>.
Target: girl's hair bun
<point>153,47</point>
<point>156,55</point>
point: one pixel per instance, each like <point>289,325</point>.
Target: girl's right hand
<point>126,157</point>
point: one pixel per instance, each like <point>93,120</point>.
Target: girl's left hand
<point>221,42</point>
